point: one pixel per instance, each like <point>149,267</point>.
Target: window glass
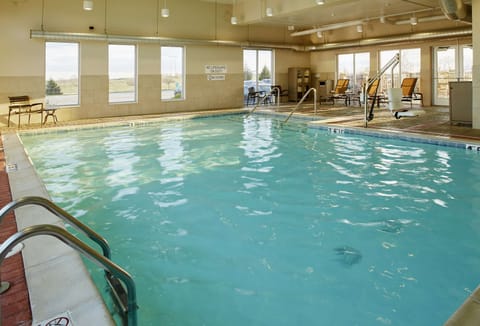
<point>257,70</point>
<point>362,69</point>
<point>61,73</point>
<point>346,67</point>
<point>122,80</point>
<point>172,70</point>
<point>355,67</point>
<point>409,66</point>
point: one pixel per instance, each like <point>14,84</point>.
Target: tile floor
<point>15,305</point>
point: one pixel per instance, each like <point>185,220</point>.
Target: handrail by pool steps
<point>75,243</point>
<point>122,297</point>
<point>303,99</point>
<point>62,214</point>
<point>258,104</point>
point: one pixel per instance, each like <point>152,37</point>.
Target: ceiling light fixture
<point>413,20</point>
<point>269,12</point>
<point>382,19</point>
<point>233,19</point>
<point>165,11</point>
<point>320,2</point>
<point>291,27</point>
<point>87,5</point>
<point>327,28</point>
<point>319,34</point>
<point>360,28</point>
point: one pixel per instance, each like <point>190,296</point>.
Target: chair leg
<point>8,123</point>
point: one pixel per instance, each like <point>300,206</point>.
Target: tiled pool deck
<point>15,304</point>
<point>431,124</point>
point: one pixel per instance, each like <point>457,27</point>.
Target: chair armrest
<point>35,104</point>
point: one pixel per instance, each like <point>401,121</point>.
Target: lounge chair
<point>21,105</point>
<point>254,95</point>
<point>372,93</point>
<point>340,91</point>
<point>408,86</point>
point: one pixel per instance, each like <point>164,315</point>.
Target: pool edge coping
<point>51,268</point>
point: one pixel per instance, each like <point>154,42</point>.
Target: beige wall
<point>476,67</point>
<point>22,58</point>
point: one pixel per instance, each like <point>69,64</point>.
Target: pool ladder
<point>121,284</point>
<point>314,90</point>
<point>262,101</point>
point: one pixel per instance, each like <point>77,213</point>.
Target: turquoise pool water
<point>234,221</point>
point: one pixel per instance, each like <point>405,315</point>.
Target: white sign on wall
<point>215,77</point>
<point>215,69</point>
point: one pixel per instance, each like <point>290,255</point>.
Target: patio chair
<point>372,94</point>
<point>21,105</point>
<point>254,95</point>
<point>340,91</point>
<point>408,86</point>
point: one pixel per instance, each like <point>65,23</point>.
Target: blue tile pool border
<point>312,122</point>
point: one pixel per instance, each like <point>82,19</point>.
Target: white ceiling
<point>350,10</point>
<point>304,14</point>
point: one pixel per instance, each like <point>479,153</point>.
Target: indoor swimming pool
<point>245,221</point>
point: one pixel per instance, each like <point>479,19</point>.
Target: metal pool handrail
<point>77,244</point>
<point>303,99</point>
<point>258,104</point>
<point>57,211</point>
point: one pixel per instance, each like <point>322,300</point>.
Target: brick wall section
<point>14,303</point>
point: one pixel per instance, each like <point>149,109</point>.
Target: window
<point>172,70</point>
<point>355,67</point>
<point>122,71</point>
<point>61,73</point>
<point>452,63</point>
<point>258,70</point>
<point>409,66</point>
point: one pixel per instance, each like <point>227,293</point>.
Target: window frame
<point>399,72</point>
<point>135,75</point>
<point>183,92</point>
<point>48,98</point>
<point>353,84</point>
<point>258,71</point>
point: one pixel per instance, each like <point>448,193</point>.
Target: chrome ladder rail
<point>258,104</point>
<point>277,98</point>
<point>75,243</point>
<point>117,290</point>
<point>62,214</point>
<point>303,99</point>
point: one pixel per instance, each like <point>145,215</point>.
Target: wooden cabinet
<point>299,81</point>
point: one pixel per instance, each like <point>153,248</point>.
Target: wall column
<point>476,65</point>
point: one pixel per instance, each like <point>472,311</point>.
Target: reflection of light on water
<point>125,192</point>
<point>372,219</point>
<point>179,233</point>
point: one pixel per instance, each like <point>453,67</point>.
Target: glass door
<point>258,71</point>
<point>452,63</point>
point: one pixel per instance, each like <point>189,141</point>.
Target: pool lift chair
<point>397,113</point>
<point>120,282</point>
